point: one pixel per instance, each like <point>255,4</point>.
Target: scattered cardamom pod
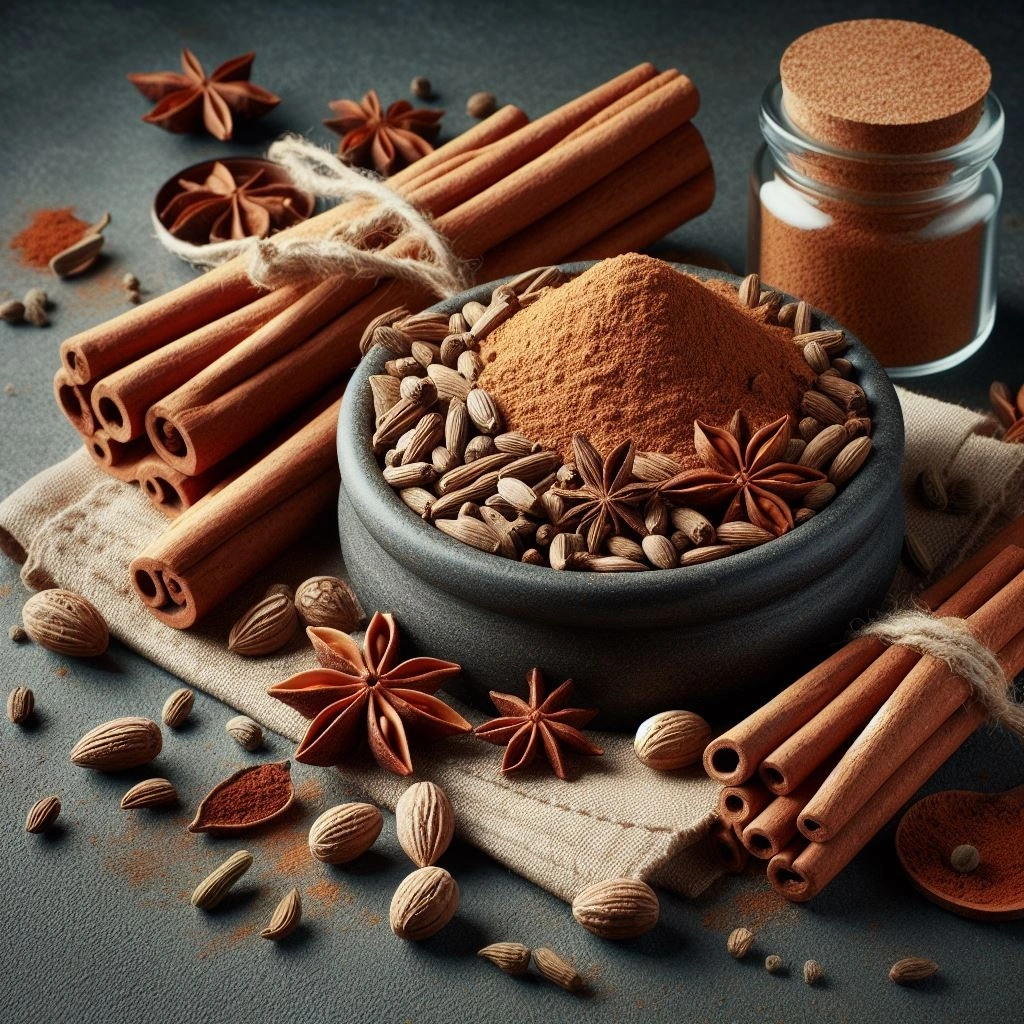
<point>267,626</point>
<point>20,702</point>
<point>739,942</point>
<point>36,303</point>
<point>813,972</point>
<point>245,732</point>
<point>42,815</point>
<point>511,957</point>
<point>557,970</point>
<point>964,858</point>
<point>212,889</point>
<point>66,623</point>
<point>773,963</point>
<point>150,793</point>
<point>911,969</point>
<point>118,744</point>
<point>932,489</point>
<point>286,917</point>
<point>177,708</point>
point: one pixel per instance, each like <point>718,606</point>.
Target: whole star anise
<point>1009,409</point>
<point>541,724</point>
<point>750,477</point>
<point>232,204</point>
<point>369,690</point>
<point>606,500</point>
<point>189,101</point>
<point>386,140</point>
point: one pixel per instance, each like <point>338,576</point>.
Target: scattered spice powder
<point>635,349</point>
<point>50,232</point>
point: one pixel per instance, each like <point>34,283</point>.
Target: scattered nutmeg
<point>671,740</point>
<point>66,623</point>
<point>420,88</point>
<point>12,311</point>
<point>150,793</point>
<point>285,919</point>
<point>424,903</point>
<point>739,942</point>
<point>20,703</point>
<point>245,732</point>
<point>118,744</point>
<point>813,972</point>
<point>618,908</point>
<point>557,970</point>
<point>911,969</point>
<point>36,303</point>
<point>344,832</point>
<point>42,815</point>
<point>267,626</point>
<point>773,963</point>
<point>481,105</point>
<point>177,708</point>
<point>964,858</point>
<point>425,822</point>
<point>328,601</point>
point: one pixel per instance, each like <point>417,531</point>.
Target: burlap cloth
<point>74,527</point>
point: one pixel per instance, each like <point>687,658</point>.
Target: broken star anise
<point>231,204</point>
<point>606,499</point>
<point>369,689</point>
<point>749,476</point>
<point>541,724</point>
<point>190,101</point>
<point>386,140</point>
<point>1009,409</point>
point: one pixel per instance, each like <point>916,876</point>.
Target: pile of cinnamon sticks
<point>220,398</point>
<point>815,773</point>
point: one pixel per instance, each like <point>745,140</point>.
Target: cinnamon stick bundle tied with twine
<point>907,709</point>
<point>198,380</point>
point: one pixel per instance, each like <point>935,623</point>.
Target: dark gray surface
<point>87,943</point>
<point>603,628</point>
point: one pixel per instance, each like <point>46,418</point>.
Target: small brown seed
<point>66,623</point>
<point>659,551</point>
<point>816,357</point>
<point>150,793</point>
<point>420,88</point>
<point>36,303</point>
<point>743,535</point>
<point>245,732</point>
<point>426,353</point>
<point>802,321</point>
<point>617,908</point>
<point>808,428</point>
<point>474,532</point>
<point>212,889</point>
<point>739,942</point>
<point>931,488</point>
<point>671,740</point>
<point>345,832</point>
<point>531,556</point>
<point>624,547</point>
<point>813,972</point>
<point>387,319</point>
<point>285,919</point>
<point>696,526</point>
<point>823,447</point>
<point>911,969</point>
<point>519,495</point>
<point>819,495</point>
<point>787,311</point>
<point>129,282</point>
<point>833,342</point>
<point>42,815</point>
<point>484,412</point>
<point>470,365</point>
<point>917,554</point>
<point>471,470</point>
<point>848,461</point>
<point>481,105</point>
<point>511,957</point>
<point>794,449</point>
<point>177,708</point>
<point>823,409</point>
<point>557,970</point>
<point>424,902</point>
<point>267,626</point>
<point>472,311</point>
<point>773,963</point>
<point>20,702</point>
<point>328,601</point>
<point>418,499</point>
<point>563,546</point>
<point>609,563</point>
<point>403,367</point>
<point>706,553</point>
<point>803,515</point>
<point>964,858</point>
<point>412,474</point>
<point>750,291</point>
<point>17,633</point>
<point>12,311</point>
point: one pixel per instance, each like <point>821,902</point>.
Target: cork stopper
<point>880,85</point>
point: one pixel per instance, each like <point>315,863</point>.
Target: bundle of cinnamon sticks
<point>816,772</point>
<point>217,397</point>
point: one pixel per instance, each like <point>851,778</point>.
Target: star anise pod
<point>1009,408</point>
<point>190,101</point>
<point>232,205</point>
<point>750,477</point>
<point>527,728</point>
<point>606,501</point>
<point>386,140</point>
<point>371,684</point>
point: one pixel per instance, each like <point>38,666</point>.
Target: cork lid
<point>884,86</point>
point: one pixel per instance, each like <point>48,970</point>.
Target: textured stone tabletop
<point>96,920</point>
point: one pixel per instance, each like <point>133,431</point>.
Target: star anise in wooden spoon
<point>369,690</point>
<point>1009,409</point>
<point>193,100</point>
<point>230,204</point>
<point>387,140</point>
<point>749,477</point>
<point>527,728</point>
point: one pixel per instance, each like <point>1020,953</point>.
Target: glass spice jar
<point>896,244</point>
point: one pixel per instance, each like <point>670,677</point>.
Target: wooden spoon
<point>993,823</point>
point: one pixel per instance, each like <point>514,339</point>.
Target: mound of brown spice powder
<point>50,232</point>
<point>634,349</point>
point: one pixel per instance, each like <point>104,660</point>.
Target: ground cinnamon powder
<point>633,349</point>
<point>50,232</point>
<point>251,797</point>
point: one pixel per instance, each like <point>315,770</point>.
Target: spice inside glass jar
<point>881,208</point>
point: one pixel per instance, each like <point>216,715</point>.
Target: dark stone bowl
<point>704,637</point>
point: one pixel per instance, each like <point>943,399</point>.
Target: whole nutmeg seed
<point>481,105</point>
<point>911,969</point>
<point>42,815</point>
<point>420,88</point>
<point>267,626</point>
<point>178,707</point>
<point>739,942</point>
<point>118,744</point>
<point>425,822</point>
<point>424,903</point>
<point>813,972</point>
<point>773,963</point>
<point>245,732</point>
<point>617,908</point>
<point>964,858</point>
<point>328,601</point>
<point>20,703</point>
<point>345,832</point>
<point>671,740</point>
<point>66,623</point>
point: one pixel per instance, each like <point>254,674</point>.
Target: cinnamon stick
<point>731,852</point>
<point>119,460</point>
<point>735,756</point>
<point>774,828</point>
<point>637,93</point>
<point>802,876</point>
<point>225,538</point>
<point>671,162</point>
<point>739,804</point>
<point>920,704</point>
<point>74,401</point>
<point>797,757</point>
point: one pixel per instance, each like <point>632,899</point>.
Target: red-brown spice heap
<point>50,232</point>
<point>250,797</point>
<point>635,349</point>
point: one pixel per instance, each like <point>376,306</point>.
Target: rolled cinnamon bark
<point>637,93</point>
<point>120,461</point>
<point>731,852</point>
<point>74,401</point>
<point>803,876</point>
<point>919,705</point>
<point>738,804</point>
<point>224,539</point>
<point>775,827</point>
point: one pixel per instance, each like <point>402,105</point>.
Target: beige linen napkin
<point>74,527</point>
